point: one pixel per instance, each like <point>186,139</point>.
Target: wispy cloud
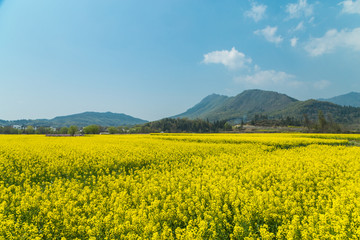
<point>257,11</point>
<point>232,59</point>
<point>334,39</point>
<point>300,9</point>
<point>351,7</point>
<point>248,73</point>
<point>299,27</point>
<point>294,41</point>
<point>270,34</point>
<point>322,84</point>
<point>268,78</point>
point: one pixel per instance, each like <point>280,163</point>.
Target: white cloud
<point>293,41</point>
<point>351,7</point>
<point>334,39</point>
<point>231,59</point>
<point>257,12</point>
<point>322,84</point>
<point>271,79</point>
<point>251,74</point>
<point>270,34</point>
<point>299,27</point>
<point>268,78</point>
<point>300,9</point>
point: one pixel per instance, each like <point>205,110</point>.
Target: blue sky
<point>154,59</point>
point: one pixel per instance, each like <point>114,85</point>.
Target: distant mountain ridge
<point>244,105</point>
<point>249,103</point>
<point>341,114</point>
<point>81,120</point>
<point>349,99</point>
<point>208,104</point>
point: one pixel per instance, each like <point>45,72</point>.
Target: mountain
<point>243,106</point>
<point>102,119</point>
<point>349,99</point>
<point>249,103</point>
<point>340,114</point>
<point>82,120</point>
<point>206,105</point>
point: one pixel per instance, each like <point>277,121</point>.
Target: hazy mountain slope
<point>242,106</point>
<point>82,120</point>
<point>248,103</point>
<point>349,99</point>
<point>27,122</point>
<point>103,119</point>
<point>206,105</point>
<point>251,102</point>
<point>215,107</point>
<point>340,114</point>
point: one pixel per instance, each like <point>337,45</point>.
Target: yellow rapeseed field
<point>180,186</point>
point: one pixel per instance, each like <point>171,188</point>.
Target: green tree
<point>72,130</point>
<point>333,126</point>
<point>112,130</point>
<point>92,129</point>
<point>10,130</point>
<point>227,127</point>
<point>322,121</point>
<point>43,130</point>
<point>307,121</point>
<point>30,130</point>
<point>64,130</point>
<point>121,129</point>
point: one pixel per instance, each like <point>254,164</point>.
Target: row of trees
<point>323,124</point>
<point>39,130</point>
<point>72,130</point>
<point>264,120</point>
<point>179,125</point>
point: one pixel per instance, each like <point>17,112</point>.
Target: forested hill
<point>208,104</point>
<point>81,120</point>
<point>243,106</point>
<point>102,119</point>
<point>248,104</point>
<point>350,99</point>
<point>341,114</point>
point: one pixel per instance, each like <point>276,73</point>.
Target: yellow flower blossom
<point>180,186</point>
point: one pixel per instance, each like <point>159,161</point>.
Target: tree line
<point>38,130</point>
<point>321,124</point>
<point>183,125</point>
<point>167,125</point>
<point>324,124</point>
